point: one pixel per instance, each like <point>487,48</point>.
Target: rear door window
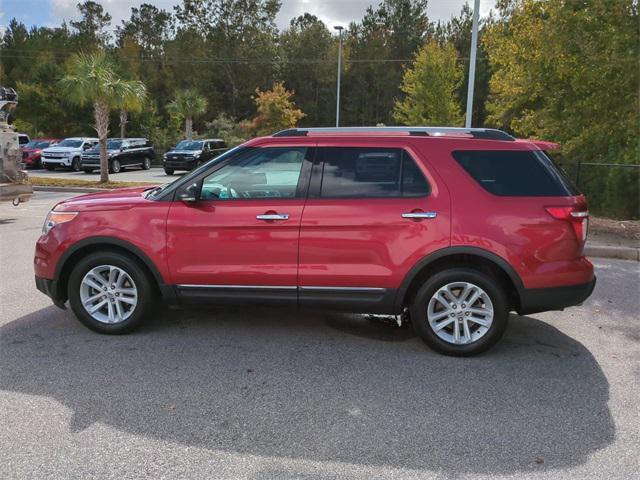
<point>354,172</point>
<point>515,173</point>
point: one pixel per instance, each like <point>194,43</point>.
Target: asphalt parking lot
<point>280,394</point>
<point>153,175</point>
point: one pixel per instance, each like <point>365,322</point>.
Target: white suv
<point>67,153</point>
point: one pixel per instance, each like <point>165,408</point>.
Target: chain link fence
<point>613,189</point>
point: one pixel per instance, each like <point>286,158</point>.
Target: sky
<point>332,12</point>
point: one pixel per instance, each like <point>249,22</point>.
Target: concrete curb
<point>37,188</point>
<point>606,251</point>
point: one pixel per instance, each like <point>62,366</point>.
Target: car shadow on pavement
<point>321,387</point>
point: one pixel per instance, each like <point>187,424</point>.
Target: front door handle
<point>273,216</point>
<point>420,215</point>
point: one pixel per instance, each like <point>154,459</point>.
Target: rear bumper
<point>534,300</point>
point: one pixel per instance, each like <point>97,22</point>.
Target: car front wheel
<point>110,292</point>
<point>75,165</point>
<point>146,163</point>
<point>460,312</point>
<point>168,171</point>
<point>115,166</point>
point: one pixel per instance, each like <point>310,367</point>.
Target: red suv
<point>450,228</point>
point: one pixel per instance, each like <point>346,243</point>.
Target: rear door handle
<point>273,216</point>
<point>420,215</point>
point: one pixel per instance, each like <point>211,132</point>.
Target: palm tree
<point>91,78</point>
<point>130,104</point>
<point>188,104</point>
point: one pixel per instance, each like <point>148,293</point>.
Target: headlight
<point>56,218</point>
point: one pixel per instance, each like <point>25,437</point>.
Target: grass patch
<point>67,182</point>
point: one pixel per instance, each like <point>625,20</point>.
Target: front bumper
<point>50,288</point>
<point>534,300</point>
<point>61,162</point>
<point>180,163</point>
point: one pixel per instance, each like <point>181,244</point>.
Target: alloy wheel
<point>460,313</point>
<point>108,294</point>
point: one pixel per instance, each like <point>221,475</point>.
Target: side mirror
<point>190,194</point>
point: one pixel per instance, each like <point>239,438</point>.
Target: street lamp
<point>340,29</point>
<point>472,62</point>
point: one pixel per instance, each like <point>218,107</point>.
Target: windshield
<point>114,144</point>
<point>189,145</point>
<point>70,143</point>
<point>38,144</point>
<point>157,191</point>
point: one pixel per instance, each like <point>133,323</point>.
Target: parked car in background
<point>32,151</point>
<point>188,154</point>
<point>67,153</point>
<point>23,139</point>
<point>449,228</point>
<point>122,152</point>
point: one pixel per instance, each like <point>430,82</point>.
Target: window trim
<point>317,175</point>
<point>301,188</point>
<point>547,169</point>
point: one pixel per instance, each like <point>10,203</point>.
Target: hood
<point>184,152</point>
<point>61,149</point>
<point>32,150</point>
<point>118,199</point>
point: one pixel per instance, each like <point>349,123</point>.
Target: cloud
<point>332,12</point>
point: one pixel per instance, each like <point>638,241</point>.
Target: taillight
<point>577,216</point>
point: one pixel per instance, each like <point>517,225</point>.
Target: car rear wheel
<point>115,166</point>
<point>146,163</point>
<point>110,292</point>
<point>460,312</point>
<point>169,171</point>
<point>75,164</point>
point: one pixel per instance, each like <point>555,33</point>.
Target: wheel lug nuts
<point>466,313</point>
<point>453,314</point>
<point>464,306</point>
<point>454,306</point>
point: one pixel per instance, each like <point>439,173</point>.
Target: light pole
<point>472,62</point>
<point>339,28</point>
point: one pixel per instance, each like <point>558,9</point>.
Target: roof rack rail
<point>481,133</point>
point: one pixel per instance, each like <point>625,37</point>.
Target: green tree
<point>457,31</point>
<point>276,111</point>
<point>92,25</point>
<point>308,39</point>
<point>376,49</point>
<point>227,129</point>
<point>568,72</point>
<point>91,79</point>
<point>430,86</point>
<point>188,104</point>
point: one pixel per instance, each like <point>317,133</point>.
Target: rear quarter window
<point>512,173</point>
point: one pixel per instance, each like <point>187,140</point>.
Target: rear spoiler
<point>543,145</point>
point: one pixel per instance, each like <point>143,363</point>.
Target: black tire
<point>115,166</point>
<point>169,171</point>
<point>75,164</point>
<point>49,167</point>
<point>142,281</point>
<point>87,170</point>
<point>492,288</point>
<point>146,163</point>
